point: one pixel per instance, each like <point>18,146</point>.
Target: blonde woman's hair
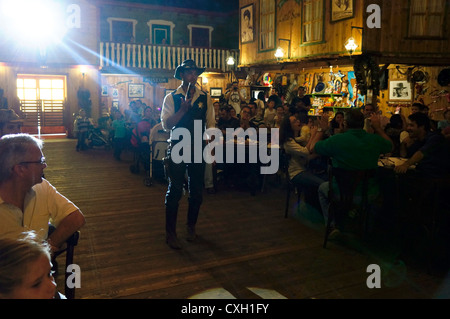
<point>15,257</point>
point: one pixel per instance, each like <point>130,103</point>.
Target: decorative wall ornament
<point>444,77</point>
<point>341,10</point>
<point>367,73</point>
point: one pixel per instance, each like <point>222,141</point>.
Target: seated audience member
<point>81,127</point>
<point>446,132</point>
<point>25,269</point>
<point>158,141</point>
<point>245,172</point>
<point>140,141</point>
<point>226,120</point>
<point>430,151</point>
<point>417,107</point>
<point>280,116</point>
<point>243,104</point>
<point>216,110</point>
<point>367,110</point>
<point>412,142</point>
<point>245,117</point>
<point>305,132</point>
<point>370,109</point>
<point>133,115</point>
<point>270,113</point>
<point>355,149</point>
<point>260,105</point>
<point>337,124</point>
<point>27,200</point>
<point>255,120</point>
<point>275,96</point>
<point>394,129</point>
<point>299,157</point>
<point>444,125</point>
<point>233,113</point>
<point>10,122</point>
<point>301,101</point>
<point>422,108</point>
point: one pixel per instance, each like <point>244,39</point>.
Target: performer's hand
<point>185,105</point>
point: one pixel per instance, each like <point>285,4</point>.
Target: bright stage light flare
<point>34,22</point>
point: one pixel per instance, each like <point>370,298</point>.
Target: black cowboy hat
<point>187,65</point>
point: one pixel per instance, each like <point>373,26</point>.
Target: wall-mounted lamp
<point>351,45</point>
<point>83,70</point>
<point>230,60</point>
<point>279,54</point>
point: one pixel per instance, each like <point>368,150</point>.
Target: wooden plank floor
<point>244,242</point>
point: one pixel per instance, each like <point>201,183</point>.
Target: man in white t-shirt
<point>28,201</point>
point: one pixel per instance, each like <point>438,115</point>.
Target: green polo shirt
<point>353,150</point>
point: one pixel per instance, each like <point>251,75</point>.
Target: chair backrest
<point>159,150</point>
<point>71,242</point>
<point>284,163</point>
<point>348,182</point>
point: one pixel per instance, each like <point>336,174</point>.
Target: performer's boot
<point>171,226</point>
<point>193,211</point>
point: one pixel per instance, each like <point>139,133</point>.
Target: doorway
<point>42,102</point>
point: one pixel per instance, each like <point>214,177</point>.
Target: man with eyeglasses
<point>27,200</point>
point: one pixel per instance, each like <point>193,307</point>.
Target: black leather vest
<point>196,112</point>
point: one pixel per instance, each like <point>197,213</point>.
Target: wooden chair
<point>284,164</point>
<point>348,182</point>
<point>71,242</point>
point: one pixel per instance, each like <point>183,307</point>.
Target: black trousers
<point>195,174</point>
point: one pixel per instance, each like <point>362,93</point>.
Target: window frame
<point>322,27</point>
<point>261,28</point>
<point>110,21</point>
<point>198,26</point>
<point>37,88</point>
<point>427,15</point>
<point>167,23</point>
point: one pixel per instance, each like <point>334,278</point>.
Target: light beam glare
<point>34,22</point>
<point>112,63</point>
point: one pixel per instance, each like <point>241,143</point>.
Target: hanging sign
<point>155,80</point>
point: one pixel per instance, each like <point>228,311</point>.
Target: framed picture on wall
<point>104,90</point>
<point>246,20</point>
<point>135,90</point>
<point>216,92</point>
<point>341,10</point>
<point>400,91</point>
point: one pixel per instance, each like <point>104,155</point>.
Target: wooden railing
<point>130,55</point>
